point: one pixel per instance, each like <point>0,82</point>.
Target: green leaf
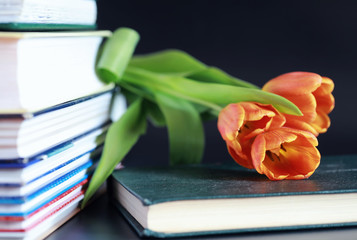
<point>155,114</point>
<point>214,96</point>
<point>185,129</point>
<point>116,54</point>
<point>168,62</point>
<point>215,75</point>
<point>121,137</point>
<point>132,93</point>
<point>179,63</point>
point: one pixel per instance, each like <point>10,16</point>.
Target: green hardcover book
<point>217,199</point>
<point>40,15</point>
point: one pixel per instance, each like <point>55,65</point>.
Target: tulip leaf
<point>121,137</point>
<point>132,93</point>
<point>155,114</point>
<point>168,62</point>
<point>116,54</point>
<point>179,63</point>
<point>214,96</point>
<point>215,75</point>
<point>185,130</point>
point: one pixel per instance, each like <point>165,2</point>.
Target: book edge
<point>24,35</point>
<point>27,27</point>
<point>30,113</point>
<point>144,232</point>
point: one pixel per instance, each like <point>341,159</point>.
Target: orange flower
<point>311,93</point>
<point>240,123</point>
<point>285,153</point>
<point>256,138</point>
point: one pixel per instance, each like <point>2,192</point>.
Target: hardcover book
<point>217,199</point>
<point>26,135</point>
<point>47,15</point>
<point>42,69</point>
<point>22,171</point>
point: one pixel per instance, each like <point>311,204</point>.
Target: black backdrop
<point>252,40</point>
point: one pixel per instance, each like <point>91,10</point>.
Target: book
<point>42,69</point>
<point>218,199</point>
<point>44,218</point>
<point>16,212</point>
<point>33,208</point>
<point>47,15</point>
<point>42,205</point>
<point>45,226</point>
<point>24,136</point>
<point>19,173</point>
<point>8,191</point>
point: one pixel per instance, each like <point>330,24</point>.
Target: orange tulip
<point>311,93</point>
<point>285,153</point>
<point>240,123</point>
<point>256,138</point>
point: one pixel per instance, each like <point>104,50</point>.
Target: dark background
<point>254,41</point>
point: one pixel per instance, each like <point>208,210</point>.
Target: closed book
<point>25,136</point>
<point>14,191</point>
<point>23,171</point>
<point>51,188</point>
<point>47,15</point>
<point>42,69</point>
<point>45,226</point>
<point>44,218</point>
<point>17,212</point>
<point>42,211</point>
<point>217,199</point>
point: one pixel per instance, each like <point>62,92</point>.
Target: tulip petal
<point>296,83</point>
<point>297,157</point>
<point>241,157</point>
<point>297,87</point>
<point>262,116</point>
<point>311,93</point>
<point>326,87</point>
<point>321,123</point>
<point>307,105</point>
<point>299,124</point>
<point>268,141</point>
<point>240,123</point>
<point>306,139</point>
<point>325,103</point>
<point>256,111</point>
<point>230,120</point>
<point>324,97</point>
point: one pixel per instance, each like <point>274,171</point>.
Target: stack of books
<point>54,113</point>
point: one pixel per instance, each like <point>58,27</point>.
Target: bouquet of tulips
<point>271,129</point>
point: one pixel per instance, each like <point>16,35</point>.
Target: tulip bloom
<point>256,138</point>
<point>285,153</point>
<point>240,123</point>
<point>311,93</point>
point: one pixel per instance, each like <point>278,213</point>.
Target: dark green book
<point>216,199</point>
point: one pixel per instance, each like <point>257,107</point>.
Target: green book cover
<point>44,27</point>
<point>207,194</point>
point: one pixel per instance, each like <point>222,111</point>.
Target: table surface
<point>101,220</point>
